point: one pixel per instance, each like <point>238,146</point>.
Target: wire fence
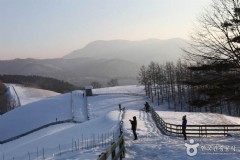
<point>75,145</point>
<point>117,149</point>
<point>101,140</point>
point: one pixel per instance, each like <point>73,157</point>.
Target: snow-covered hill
<point>28,94</point>
<point>104,120</point>
<point>34,115</point>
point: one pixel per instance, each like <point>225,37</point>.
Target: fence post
<point>224,130</point>
<point>78,145</point>
<point>72,144</point>
<point>113,152</point>
<point>28,155</point>
<point>199,130</point>
<point>43,154</point>
<point>59,147</point>
<point>206,130</point>
<point>177,131</point>
<point>104,157</point>
<point>82,142</point>
<point>102,139</point>
<point>123,146</point>
<point>37,153</point>
<point>87,142</point>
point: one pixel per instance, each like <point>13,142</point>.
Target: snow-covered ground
<point>29,95</point>
<point>34,115</point>
<point>50,138</point>
<point>152,144</point>
<point>120,89</point>
<point>37,114</point>
<point>104,119</point>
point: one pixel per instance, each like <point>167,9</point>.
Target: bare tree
<point>96,84</point>
<point>113,82</point>
<point>165,83</point>
<point>217,36</point>
<point>142,78</point>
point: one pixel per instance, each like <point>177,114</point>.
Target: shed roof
<point>88,87</point>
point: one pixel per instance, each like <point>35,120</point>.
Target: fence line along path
<point>194,130</point>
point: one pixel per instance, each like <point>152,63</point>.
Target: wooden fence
<point>112,150</point>
<point>119,144</point>
<point>194,130</point>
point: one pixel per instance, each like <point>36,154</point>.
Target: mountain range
<point>99,61</point>
<point>140,52</point>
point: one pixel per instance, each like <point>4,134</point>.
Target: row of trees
<point>111,83</point>
<point>39,82</point>
<point>218,86</point>
<point>208,88</point>
<point>3,98</point>
<point>164,83</point>
<point>212,81</point>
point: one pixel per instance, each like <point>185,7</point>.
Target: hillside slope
<point>78,71</point>
<point>104,119</point>
<point>34,115</point>
<point>28,95</point>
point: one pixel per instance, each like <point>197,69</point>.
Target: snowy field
<point>102,110</point>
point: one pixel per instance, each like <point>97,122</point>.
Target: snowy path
<point>154,145</point>
<point>79,104</point>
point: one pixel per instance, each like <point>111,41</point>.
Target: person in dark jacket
<point>184,126</point>
<point>134,127</point>
<point>120,107</point>
<point>147,107</point>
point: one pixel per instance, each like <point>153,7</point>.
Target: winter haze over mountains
<point>109,39</point>
<point>100,61</point>
<point>140,52</point>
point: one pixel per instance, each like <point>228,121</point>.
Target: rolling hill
<point>99,61</point>
<point>78,71</point>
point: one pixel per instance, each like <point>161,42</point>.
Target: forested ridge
<point>3,98</point>
<point>39,82</point>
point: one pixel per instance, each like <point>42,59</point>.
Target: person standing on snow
<point>147,107</point>
<point>184,126</point>
<point>134,127</point>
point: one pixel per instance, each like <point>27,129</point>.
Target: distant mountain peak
<point>140,52</point>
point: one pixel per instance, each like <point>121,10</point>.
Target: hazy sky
<point>54,28</point>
